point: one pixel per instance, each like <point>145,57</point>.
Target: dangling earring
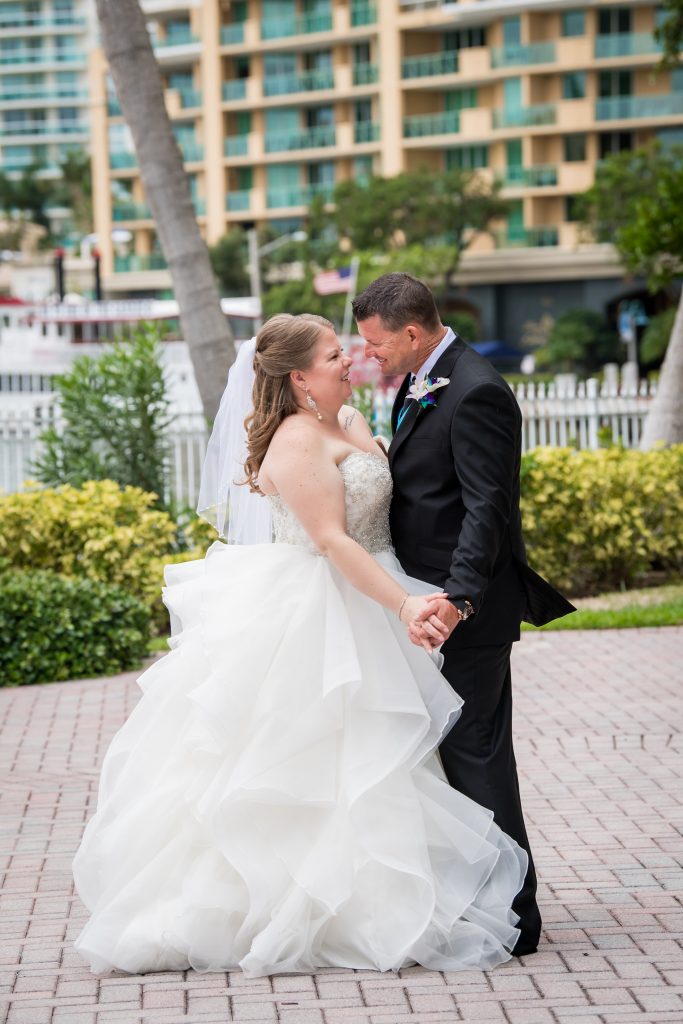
<point>312,404</point>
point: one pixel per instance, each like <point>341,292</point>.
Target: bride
<point>275,801</point>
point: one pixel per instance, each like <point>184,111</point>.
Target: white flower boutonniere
<point>422,391</point>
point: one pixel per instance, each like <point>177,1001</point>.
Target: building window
<point>464,38</point>
<point>574,85</point>
<point>362,169</point>
<point>615,142</point>
<point>614,21</point>
<point>467,158</point>
<point>572,208</point>
<point>574,148</point>
<point>573,23</point>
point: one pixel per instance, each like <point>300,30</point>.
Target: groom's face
<point>395,351</point>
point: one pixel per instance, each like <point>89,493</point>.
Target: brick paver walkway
<point>598,725</point>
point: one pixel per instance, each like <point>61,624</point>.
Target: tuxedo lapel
<point>442,368</point>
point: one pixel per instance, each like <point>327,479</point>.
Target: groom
<point>455,522</point>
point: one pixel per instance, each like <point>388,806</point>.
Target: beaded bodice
<point>367,486</point>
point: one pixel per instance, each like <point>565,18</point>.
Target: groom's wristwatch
<point>462,606</point>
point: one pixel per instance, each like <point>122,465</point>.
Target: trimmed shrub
<point>52,628</point>
<point>595,520</point>
<point>99,531</point>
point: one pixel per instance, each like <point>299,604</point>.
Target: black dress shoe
<point>524,950</point>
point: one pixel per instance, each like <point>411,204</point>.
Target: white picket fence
<point>563,413</point>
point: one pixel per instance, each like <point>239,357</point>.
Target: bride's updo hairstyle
<point>283,344</point>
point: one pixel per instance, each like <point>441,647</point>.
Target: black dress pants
<point>479,761</point>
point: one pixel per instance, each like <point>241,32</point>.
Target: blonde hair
<point>283,344</point>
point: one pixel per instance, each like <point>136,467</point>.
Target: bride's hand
<point>437,630</point>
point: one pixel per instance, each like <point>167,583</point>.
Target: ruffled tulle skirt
<point>274,802</point>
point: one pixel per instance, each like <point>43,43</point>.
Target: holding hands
<point>430,619</point>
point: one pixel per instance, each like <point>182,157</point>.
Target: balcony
<point>192,151</point>
<point>363,14</point>
<point>27,93</point>
<point>432,124</point>
<point>199,204</point>
<point>27,19</point>
<point>131,211</point>
<point>179,37</point>
<point>122,159</point>
<point>232,35</point>
<point>20,128</point>
<point>302,196</point>
<point>517,238</point>
<point>189,98</point>
<point>238,201</point>
<point>366,131</point>
<point>626,44</point>
<point>430,64</point>
<point>627,108</point>
<point>298,26</point>
<point>236,145</point>
<point>307,81</point>
<point>539,114</point>
<point>133,264</point>
<point>113,107</point>
<point>236,89</point>
<point>516,56</point>
<point>530,177</point>
<point>40,57</point>
<point>314,138</point>
<point>365,74</point>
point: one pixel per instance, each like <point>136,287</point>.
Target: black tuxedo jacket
<point>455,518</point>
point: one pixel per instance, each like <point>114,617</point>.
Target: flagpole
<point>350,296</point>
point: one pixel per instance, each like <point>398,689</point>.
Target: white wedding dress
<point>275,802</point>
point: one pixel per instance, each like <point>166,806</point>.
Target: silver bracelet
<point>400,607</point>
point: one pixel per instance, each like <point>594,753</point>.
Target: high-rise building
<point>44,98</point>
<point>276,101</point>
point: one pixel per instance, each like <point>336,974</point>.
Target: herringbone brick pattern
<point>598,726</point>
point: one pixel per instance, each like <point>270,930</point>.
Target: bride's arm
<point>309,482</point>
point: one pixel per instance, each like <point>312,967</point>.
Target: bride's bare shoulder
<point>296,438</point>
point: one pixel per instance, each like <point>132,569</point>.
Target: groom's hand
<point>441,611</point>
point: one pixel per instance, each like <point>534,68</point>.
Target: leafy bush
<point>655,340</point>
<point>580,338</point>
<point>99,531</point>
<point>598,519</point>
<point>53,628</point>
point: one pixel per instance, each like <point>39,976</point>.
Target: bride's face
<point>327,377</point>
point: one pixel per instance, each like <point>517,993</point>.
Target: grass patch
<point>630,616</point>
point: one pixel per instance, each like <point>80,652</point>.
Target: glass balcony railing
<point>19,128</point>
<point>9,93</point>
<point>301,196</point>
<point>239,200</point>
<point>235,89</point>
<point>133,264</point>
<point>514,238</point>
<point>430,64</point>
<point>307,81</point>
<point>626,44</point>
<point>34,57</point>
<point>131,211</point>
<point>366,131</point>
<point>179,37</point>
<point>365,74</point>
<point>122,159</point>
<point>27,19</point>
<point>232,35</point>
<point>190,98</point>
<point>192,151</point>
<point>199,204</point>
<point>626,108</point>
<point>314,138</point>
<point>431,124</point>
<point>363,14</point>
<point>540,113</point>
<point>278,28</point>
<point>113,107</point>
<point>529,53</point>
<point>530,177</point>
<point>236,145</point>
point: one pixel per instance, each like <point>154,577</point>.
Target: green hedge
<point>596,520</point>
<point>52,628</point>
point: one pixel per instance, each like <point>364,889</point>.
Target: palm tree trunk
<point>664,421</point>
<point>140,92</point>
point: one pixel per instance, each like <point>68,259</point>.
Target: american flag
<point>332,282</point>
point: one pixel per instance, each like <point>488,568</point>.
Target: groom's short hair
<point>397,299</point>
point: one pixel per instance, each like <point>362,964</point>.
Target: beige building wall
<point>533,98</point>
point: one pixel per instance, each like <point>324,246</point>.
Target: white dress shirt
<point>434,357</point>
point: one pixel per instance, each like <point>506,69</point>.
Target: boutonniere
<point>422,391</point>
